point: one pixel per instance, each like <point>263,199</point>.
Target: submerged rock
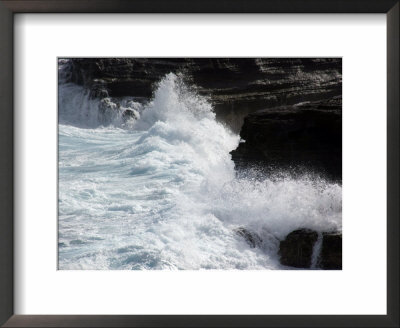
<point>250,237</point>
<point>128,113</point>
<point>106,104</point>
<point>98,91</point>
<point>297,248</point>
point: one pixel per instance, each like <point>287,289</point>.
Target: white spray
<point>163,193</point>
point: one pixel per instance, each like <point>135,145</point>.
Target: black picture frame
<point>10,7</point>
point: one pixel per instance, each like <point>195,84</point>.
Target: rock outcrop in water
<point>296,249</point>
<point>236,86</point>
<point>331,252</point>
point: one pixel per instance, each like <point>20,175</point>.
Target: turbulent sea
<point>158,190</point>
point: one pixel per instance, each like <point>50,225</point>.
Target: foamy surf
<point>160,191</point>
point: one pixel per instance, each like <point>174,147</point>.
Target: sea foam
<point>162,193</point>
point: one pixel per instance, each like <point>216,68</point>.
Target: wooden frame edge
<point>7,10</point>
<point>6,165</point>
<point>393,147</point>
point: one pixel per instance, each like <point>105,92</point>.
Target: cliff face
<point>298,139</point>
<point>236,86</point>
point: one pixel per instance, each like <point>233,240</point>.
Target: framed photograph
<point>217,164</point>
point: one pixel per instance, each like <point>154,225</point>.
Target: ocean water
<point>159,190</point>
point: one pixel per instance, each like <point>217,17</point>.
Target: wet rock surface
<point>331,252</point>
<point>252,239</point>
<point>297,248</point>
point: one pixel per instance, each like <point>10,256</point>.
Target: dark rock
<point>98,91</point>
<point>297,139</point>
<point>128,113</point>
<point>331,252</point>
<point>106,105</point>
<point>297,248</point>
<point>236,86</point>
<point>250,237</point>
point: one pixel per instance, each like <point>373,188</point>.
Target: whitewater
<point>158,189</point>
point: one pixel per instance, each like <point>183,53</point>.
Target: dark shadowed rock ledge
<point>299,139</point>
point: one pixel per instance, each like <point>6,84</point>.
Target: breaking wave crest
<point>159,190</point>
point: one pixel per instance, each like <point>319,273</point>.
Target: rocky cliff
<point>303,138</point>
<point>236,86</point>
